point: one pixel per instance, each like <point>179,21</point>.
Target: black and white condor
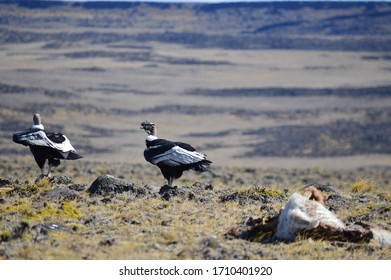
<point>171,157</point>
<point>46,146</point>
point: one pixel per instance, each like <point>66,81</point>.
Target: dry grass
<point>362,186</point>
<point>192,225</point>
<point>96,83</point>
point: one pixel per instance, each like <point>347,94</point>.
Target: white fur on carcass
<point>302,213</point>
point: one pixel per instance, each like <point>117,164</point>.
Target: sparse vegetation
<point>192,224</point>
<point>362,186</point>
<point>241,84</point>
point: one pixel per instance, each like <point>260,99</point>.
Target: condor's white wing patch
<point>39,138</point>
<point>178,156</point>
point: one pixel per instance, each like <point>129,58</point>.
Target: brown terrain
<point>278,95</point>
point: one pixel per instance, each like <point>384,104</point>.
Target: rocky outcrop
<point>108,185</point>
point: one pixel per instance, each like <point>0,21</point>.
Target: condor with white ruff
<point>46,146</point>
<point>171,157</point>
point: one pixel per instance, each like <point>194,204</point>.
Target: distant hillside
<point>282,83</point>
<point>349,26</point>
<point>285,5</point>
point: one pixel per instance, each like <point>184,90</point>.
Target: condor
<point>46,146</point>
<point>171,157</point>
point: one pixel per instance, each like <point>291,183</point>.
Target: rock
<point>229,197</point>
<point>152,188</point>
<point>203,186</point>
<point>77,187</point>
<point>336,202</point>
<point>107,242</point>
<point>337,197</point>
<point>106,200</point>
<point>129,221</point>
<point>254,196</point>
<point>167,192</point>
<point>107,184</point>
<point>42,230</point>
<point>4,182</point>
<point>323,188</point>
<point>45,228</point>
<point>61,193</point>
<point>195,192</point>
<point>61,179</point>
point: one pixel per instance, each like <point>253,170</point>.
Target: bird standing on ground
<point>171,157</point>
<point>46,146</point>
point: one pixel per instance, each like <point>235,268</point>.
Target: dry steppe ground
<point>277,96</point>
<point>60,219</point>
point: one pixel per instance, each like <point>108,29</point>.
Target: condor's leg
<point>170,181</point>
<point>52,162</point>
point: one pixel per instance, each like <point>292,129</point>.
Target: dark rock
<point>337,197</point>
<point>167,188</point>
<point>186,193</point>
<point>362,200</point>
<point>152,189</point>
<point>90,220</point>
<point>129,221</point>
<point>166,223</point>
<point>383,210</point>
<point>268,208</point>
<point>107,184</point>
<point>42,230</point>
<point>77,187</point>
<point>4,182</point>
<point>336,202</point>
<point>229,197</point>
<point>323,188</point>
<point>106,200</point>
<point>45,228</point>
<point>255,196</point>
<point>107,242</point>
<point>61,179</point>
<point>167,192</point>
<point>61,192</point>
<point>191,196</point>
<point>203,186</point>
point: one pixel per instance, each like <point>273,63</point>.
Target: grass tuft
<point>5,236</point>
<point>70,211</point>
<point>43,182</point>
<point>362,186</point>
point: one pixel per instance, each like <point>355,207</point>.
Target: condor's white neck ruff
<point>37,127</point>
<point>150,138</point>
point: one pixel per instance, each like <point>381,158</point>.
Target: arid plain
<point>277,96</point>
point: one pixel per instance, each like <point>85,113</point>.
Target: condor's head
<point>149,127</point>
